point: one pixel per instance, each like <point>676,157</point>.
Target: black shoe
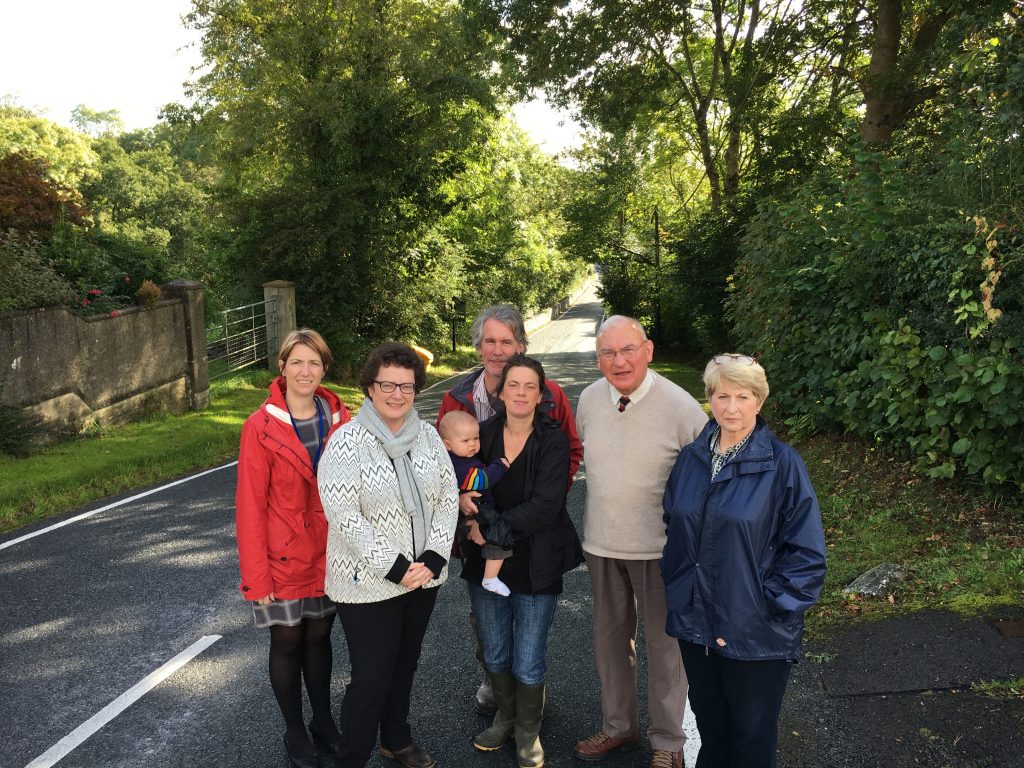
<point>483,701</point>
<point>331,748</point>
<point>413,756</point>
<point>300,761</point>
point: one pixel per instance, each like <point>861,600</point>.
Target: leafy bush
<point>30,201</point>
<point>705,254</point>
<point>27,278</point>
<point>880,312</point>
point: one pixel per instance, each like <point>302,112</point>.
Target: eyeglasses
<point>627,352</point>
<point>387,387</point>
<point>733,358</point>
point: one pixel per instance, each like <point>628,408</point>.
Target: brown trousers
<point>620,588</point>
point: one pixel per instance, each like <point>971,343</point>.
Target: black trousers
<point>384,641</point>
<point>736,705</point>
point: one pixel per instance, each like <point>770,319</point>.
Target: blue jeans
<point>514,631</point>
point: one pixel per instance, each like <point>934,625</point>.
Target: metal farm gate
<point>240,339</point>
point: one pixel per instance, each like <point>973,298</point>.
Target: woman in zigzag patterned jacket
<point>391,501</point>
<point>282,536</point>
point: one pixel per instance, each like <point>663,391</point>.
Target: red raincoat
<point>282,531</point>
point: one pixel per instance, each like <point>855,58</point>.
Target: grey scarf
<point>398,447</point>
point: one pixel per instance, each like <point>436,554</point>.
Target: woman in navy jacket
<point>745,557</point>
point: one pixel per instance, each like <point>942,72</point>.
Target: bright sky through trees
<point>133,56</point>
<point>107,54</point>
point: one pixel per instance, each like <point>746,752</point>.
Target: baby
<point>460,432</point>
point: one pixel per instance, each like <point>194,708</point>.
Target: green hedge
<point>28,279</point>
<point>877,311</point>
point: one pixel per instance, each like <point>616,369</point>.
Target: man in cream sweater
<point>633,424</point>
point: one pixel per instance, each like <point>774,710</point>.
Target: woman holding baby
<point>531,520</point>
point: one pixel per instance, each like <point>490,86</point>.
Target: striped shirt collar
<point>483,404</point>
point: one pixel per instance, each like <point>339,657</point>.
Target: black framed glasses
<point>387,387</point>
<point>732,357</point>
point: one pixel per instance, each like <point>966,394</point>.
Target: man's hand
<point>467,503</point>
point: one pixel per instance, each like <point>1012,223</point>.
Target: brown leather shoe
<point>662,758</point>
<point>413,756</point>
<point>600,745</point>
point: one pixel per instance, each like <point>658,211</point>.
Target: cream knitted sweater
<point>628,457</point>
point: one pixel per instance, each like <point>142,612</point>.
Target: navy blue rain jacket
<point>745,555</point>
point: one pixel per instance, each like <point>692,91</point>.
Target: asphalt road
<point>90,609</point>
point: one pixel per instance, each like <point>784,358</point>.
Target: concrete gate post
<point>190,292</point>
<point>280,319</point>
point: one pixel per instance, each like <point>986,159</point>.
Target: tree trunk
<point>881,100</point>
<point>732,164</point>
<point>707,154</point>
<point>891,87</point>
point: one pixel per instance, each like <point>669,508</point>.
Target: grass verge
<point>964,550</point>
<point>1001,689</point>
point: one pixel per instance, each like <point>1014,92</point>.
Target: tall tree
<point>718,72</point>
<point>96,122</point>
<point>507,224</point>
<point>68,154</point>
<point>905,42</point>
<point>337,125</point>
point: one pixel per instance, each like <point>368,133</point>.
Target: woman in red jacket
<point>282,537</point>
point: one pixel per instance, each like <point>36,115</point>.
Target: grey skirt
<point>290,613</point>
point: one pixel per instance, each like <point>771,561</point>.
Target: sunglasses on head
<point>733,358</point>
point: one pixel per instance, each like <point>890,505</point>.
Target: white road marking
<point>61,749</point>
<point>692,744</point>
<point>136,497</point>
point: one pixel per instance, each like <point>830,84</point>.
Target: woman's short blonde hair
<point>311,339</point>
<point>741,370</point>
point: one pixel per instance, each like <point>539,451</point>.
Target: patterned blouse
<point>720,459</point>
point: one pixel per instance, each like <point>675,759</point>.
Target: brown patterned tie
<point>623,402</point>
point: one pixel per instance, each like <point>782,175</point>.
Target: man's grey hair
<point>616,320</point>
<point>503,313</point>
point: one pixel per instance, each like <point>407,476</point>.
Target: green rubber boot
<point>529,713</point>
<point>504,686</point>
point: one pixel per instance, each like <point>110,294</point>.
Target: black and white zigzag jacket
<point>370,535</point>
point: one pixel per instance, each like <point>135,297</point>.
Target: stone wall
<point>73,371</point>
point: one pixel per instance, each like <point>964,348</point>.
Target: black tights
<point>303,651</point>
